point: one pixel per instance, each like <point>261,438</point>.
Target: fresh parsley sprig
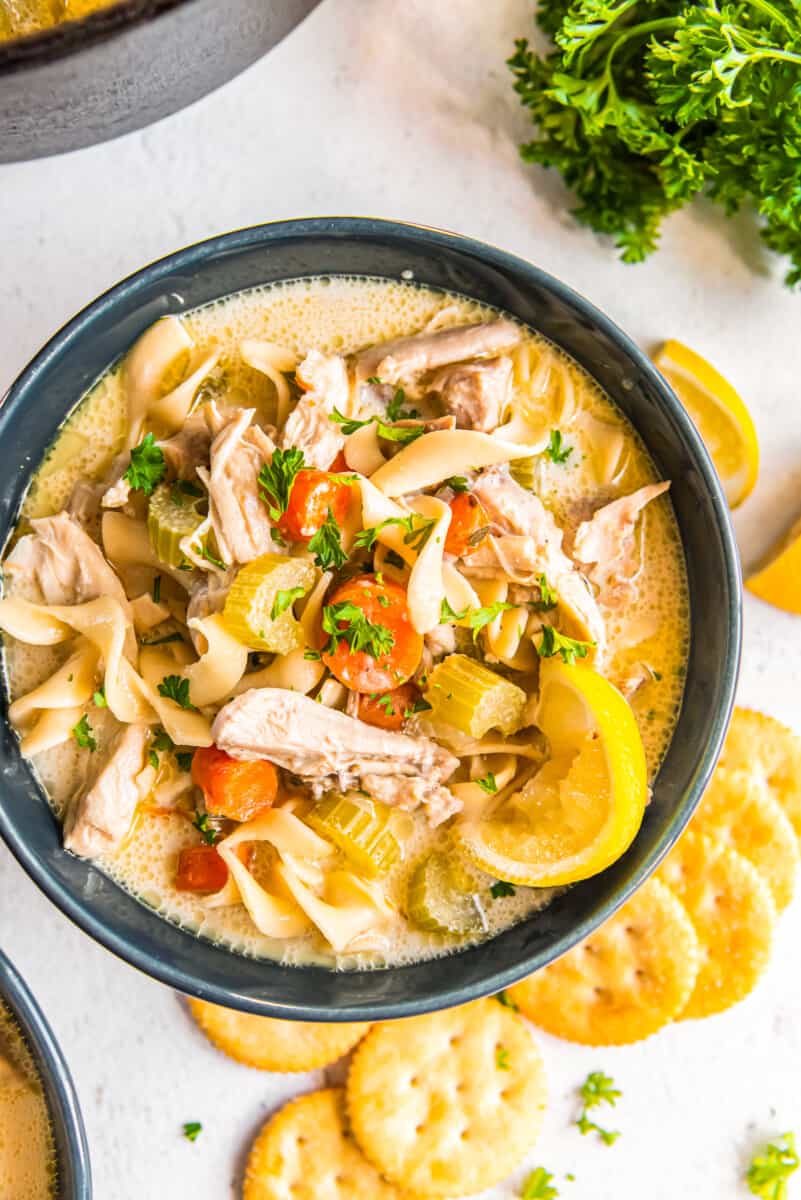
<point>326,545</point>
<point>84,734</point>
<point>556,449</point>
<point>284,599</point>
<point>596,1090</point>
<point>276,479</point>
<point>345,622</point>
<point>175,687</point>
<point>147,467</point>
<point>769,1171</point>
<point>539,1186</point>
<point>553,642</point>
<point>391,433</point>
<point>418,530</point>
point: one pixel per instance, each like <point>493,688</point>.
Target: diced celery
<point>440,896</point>
<point>254,596</point>
<point>466,694</point>
<point>172,514</point>
<point>360,828</point>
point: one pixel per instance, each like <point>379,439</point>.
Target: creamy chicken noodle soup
<point>18,18</point>
<point>345,621</point>
<point>27,1151</point>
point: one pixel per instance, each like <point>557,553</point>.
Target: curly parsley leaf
<point>477,618</point>
<point>553,642</point>
<point>769,1171</point>
<point>175,687</point>
<point>84,734</point>
<point>345,622</point>
<point>556,450</point>
<point>192,1130</point>
<point>326,545</point>
<point>391,433</point>
<point>488,783</point>
<point>548,597</point>
<point>276,479</point>
<point>501,888</point>
<point>206,830</point>
<point>596,1090</point>
<point>284,599</point>
<point>147,467</point>
<point>539,1186</point>
<point>418,530</point>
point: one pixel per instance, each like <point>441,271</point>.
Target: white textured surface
<point>405,110</point>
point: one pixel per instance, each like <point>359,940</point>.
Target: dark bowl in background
<point>74,1173</point>
<point>50,386</point>
<point>116,70</point>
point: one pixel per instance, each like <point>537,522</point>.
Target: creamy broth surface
<point>27,1152</point>
<point>341,317</point>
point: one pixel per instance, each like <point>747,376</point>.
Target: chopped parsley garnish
<point>488,783</point>
<point>506,1000</point>
<point>391,433</point>
<point>597,1089</point>
<point>548,597</point>
<point>326,545</point>
<point>553,642</point>
<point>395,411</point>
<point>418,530</point>
<point>448,614</point>
<point>477,618</point>
<point>184,759</point>
<point>276,479</point>
<point>175,687</point>
<point>162,741</point>
<point>99,698</point>
<point>502,1058</point>
<point>457,483</point>
<point>501,888</point>
<point>385,702</point>
<point>384,601</point>
<point>284,599</point>
<point>420,705</point>
<point>147,466</point>
<point>205,828</point>
<point>556,450</point>
<point>539,1186</point>
<point>769,1171</point>
<point>345,622</point>
<point>375,380</point>
<point>84,734</point>
<point>204,552</point>
<point>182,488</point>
<point>153,759</point>
<point>312,655</point>
<point>157,589</point>
<point>192,1130</point>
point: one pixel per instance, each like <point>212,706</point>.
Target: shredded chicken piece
<point>532,547</point>
<point>239,516</point>
<point>608,537</point>
<point>100,816</point>
<point>409,792</point>
<point>405,357</point>
<point>441,640</point>
<point>327,748</point>
<point>189,448</point>
<point>476,393</point>
<point>639,673</point>
<point>65,563</point>
<point>309,426</point>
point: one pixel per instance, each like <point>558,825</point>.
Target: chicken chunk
<point>65,564</point>
<point>189,448</point>
<point>608,536</point>
<point>309,426</point>
<point>239,516</point>
<point>100,816</point>
<point>529,546</point>
<point>330,749</point>
<point>476,393</point>
<point>407,357</point>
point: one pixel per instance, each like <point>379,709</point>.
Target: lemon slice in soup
<point>719,414</point>
<point>582,810</point>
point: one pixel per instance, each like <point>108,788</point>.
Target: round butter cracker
<point>449,1103</point>
<point>305,1152</point>
<point>762,745</point>
<point>625,981</point>
<point>274,1045</point>
<point>738,809</point>
<point>733,913</point>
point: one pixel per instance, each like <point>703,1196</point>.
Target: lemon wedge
<point>582,810</point>
<point>719,414</point>
<point>778,580</point>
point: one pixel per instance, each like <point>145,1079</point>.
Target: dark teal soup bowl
<point>49,388</point>
<point>73,1174</point>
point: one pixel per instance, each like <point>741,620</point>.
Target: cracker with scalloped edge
<point>762,745</point>
<point>449,1103</point>
<point>738,809</point>
<point>274,1045</point>
<point>306,1152</point>
<point>733,913</point>
<point>622,983</point>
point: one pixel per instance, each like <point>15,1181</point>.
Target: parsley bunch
<point>643,104</point>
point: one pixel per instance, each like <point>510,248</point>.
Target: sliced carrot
<point>234,789</point>
<point>314,494</point>
<point>200,870</point>
<point>382,604</point>
<point>468,521</point>
<point>387,710</point>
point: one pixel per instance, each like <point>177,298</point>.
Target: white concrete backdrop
<point>405,110</point>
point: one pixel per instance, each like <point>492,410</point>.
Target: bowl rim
<point>55,1074</point>
<point>193,256</point>
<point>70,37</point>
